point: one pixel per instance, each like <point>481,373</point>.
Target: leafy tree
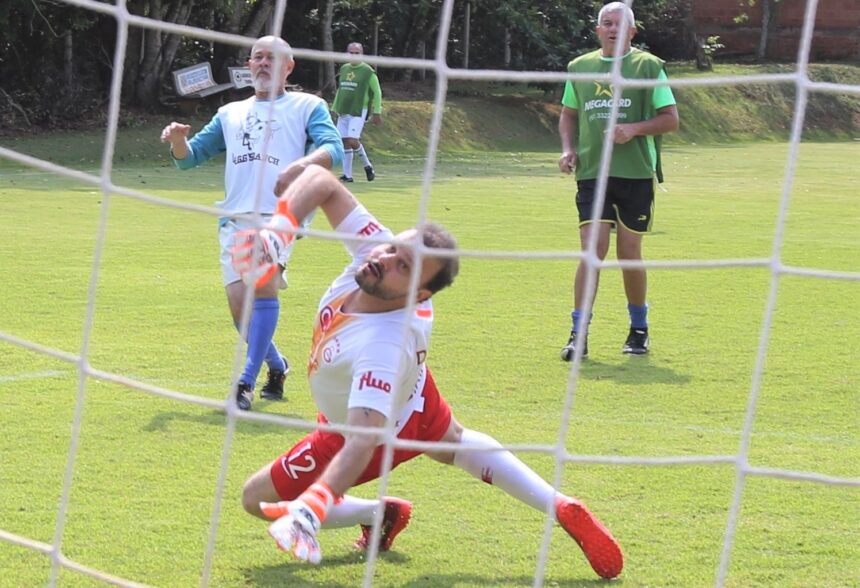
<point>769,14</point>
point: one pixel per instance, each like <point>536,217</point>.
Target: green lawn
<point>144,486</point>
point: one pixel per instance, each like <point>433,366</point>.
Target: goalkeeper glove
<point>257,255</point>
<point>297,522</point>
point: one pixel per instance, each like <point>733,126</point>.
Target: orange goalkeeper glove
<point>297,521</point>
<point>257,254</point>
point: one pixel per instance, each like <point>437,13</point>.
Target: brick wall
<point>836,35</point>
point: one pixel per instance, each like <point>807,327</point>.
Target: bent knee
<point>250,500</point>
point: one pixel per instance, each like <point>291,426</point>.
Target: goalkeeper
<point>265,138</point>
<point>367,367</point>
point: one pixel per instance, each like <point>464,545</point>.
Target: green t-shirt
<point>358,88</point>
<point>639,158</point>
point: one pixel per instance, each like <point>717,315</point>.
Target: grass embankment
<point>500,117</point>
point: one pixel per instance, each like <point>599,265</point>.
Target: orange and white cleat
<point>597,543</point>
<point>394,520</point>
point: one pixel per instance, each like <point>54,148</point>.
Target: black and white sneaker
<point>273,389</point>
<point>368,171</point>
<point>244,396</point>
<point>568,350</point>
<point>637,342</point>
<point>345,179</point>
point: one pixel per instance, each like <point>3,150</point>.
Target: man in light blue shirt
<point>269,139</point>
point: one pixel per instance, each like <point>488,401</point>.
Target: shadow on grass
<point>163,420</point>
<point>640,370</point>
<point>292,573</point>
<point>285,575</point>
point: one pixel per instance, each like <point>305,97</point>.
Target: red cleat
<point>597,543</point>
<point>396,517</point>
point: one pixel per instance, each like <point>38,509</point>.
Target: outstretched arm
<point>356,453</point>
<point>298,521</point>
<point>315,188</point>
<point>206,144</point>
<point>256,253</point>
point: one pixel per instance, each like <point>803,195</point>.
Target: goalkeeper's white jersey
<point>262,137</point>
<point>363,360</point>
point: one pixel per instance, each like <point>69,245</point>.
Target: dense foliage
<point>57,60</point>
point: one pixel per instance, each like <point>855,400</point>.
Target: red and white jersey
<point>363,360</point>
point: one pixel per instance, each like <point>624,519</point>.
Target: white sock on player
<point>362,154</point>
<point>504,470</point>
<point>347,162</point>
<point>351,511</point>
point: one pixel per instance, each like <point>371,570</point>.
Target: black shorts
<point>629,202</point>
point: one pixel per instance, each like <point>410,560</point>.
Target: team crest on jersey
<point>326,316</point>
<point>255,131</point>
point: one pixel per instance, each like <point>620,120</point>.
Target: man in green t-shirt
<point>643,115</point>
<point>358,93</point>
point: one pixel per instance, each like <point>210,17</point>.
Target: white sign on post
<point>241,77</point>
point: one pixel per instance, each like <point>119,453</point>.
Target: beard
<point>369,278</point>
<point>263,83</point>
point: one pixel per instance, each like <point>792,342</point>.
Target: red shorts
<point>300,467</point>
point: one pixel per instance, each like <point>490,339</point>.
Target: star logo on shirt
<point>350,76</point>
<point>602,89</point>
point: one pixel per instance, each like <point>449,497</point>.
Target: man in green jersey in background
<point>643,115</point>
<point>358,92</point>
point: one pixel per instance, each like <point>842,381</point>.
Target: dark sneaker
<point>637,342</point>
<point>369,173</point>
<point>273,389</point>
<point>244,396</point>
<point>568,350</point>
<point>345,179</point>
<point>396,517</point>
<point>597,543</point>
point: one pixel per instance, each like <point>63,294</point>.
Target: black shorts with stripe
<point>628,201</point>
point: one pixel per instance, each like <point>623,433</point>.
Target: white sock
<point>351,511</point>
<point>503,469</point>
<point>347,162</point>
<point>362,154</point>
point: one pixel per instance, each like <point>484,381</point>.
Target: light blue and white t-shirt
<point>261,138</point>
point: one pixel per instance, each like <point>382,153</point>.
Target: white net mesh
<point>443,73</point>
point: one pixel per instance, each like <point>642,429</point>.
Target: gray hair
<point>278,45</point>
<point>618,7</point>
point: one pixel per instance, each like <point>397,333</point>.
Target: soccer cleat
<point>637,342</point>
<point>368,170</point>
<point>273,389</point>
<point>396,517</point>
<point>244,396</point>
<point>568,350</point>
<point>597,543</point>
<point>344,178</point>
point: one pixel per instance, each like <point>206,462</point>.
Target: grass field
<point>146,471</point>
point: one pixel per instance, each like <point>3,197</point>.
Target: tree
<point>328,85</point>
<point>769,17</point>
